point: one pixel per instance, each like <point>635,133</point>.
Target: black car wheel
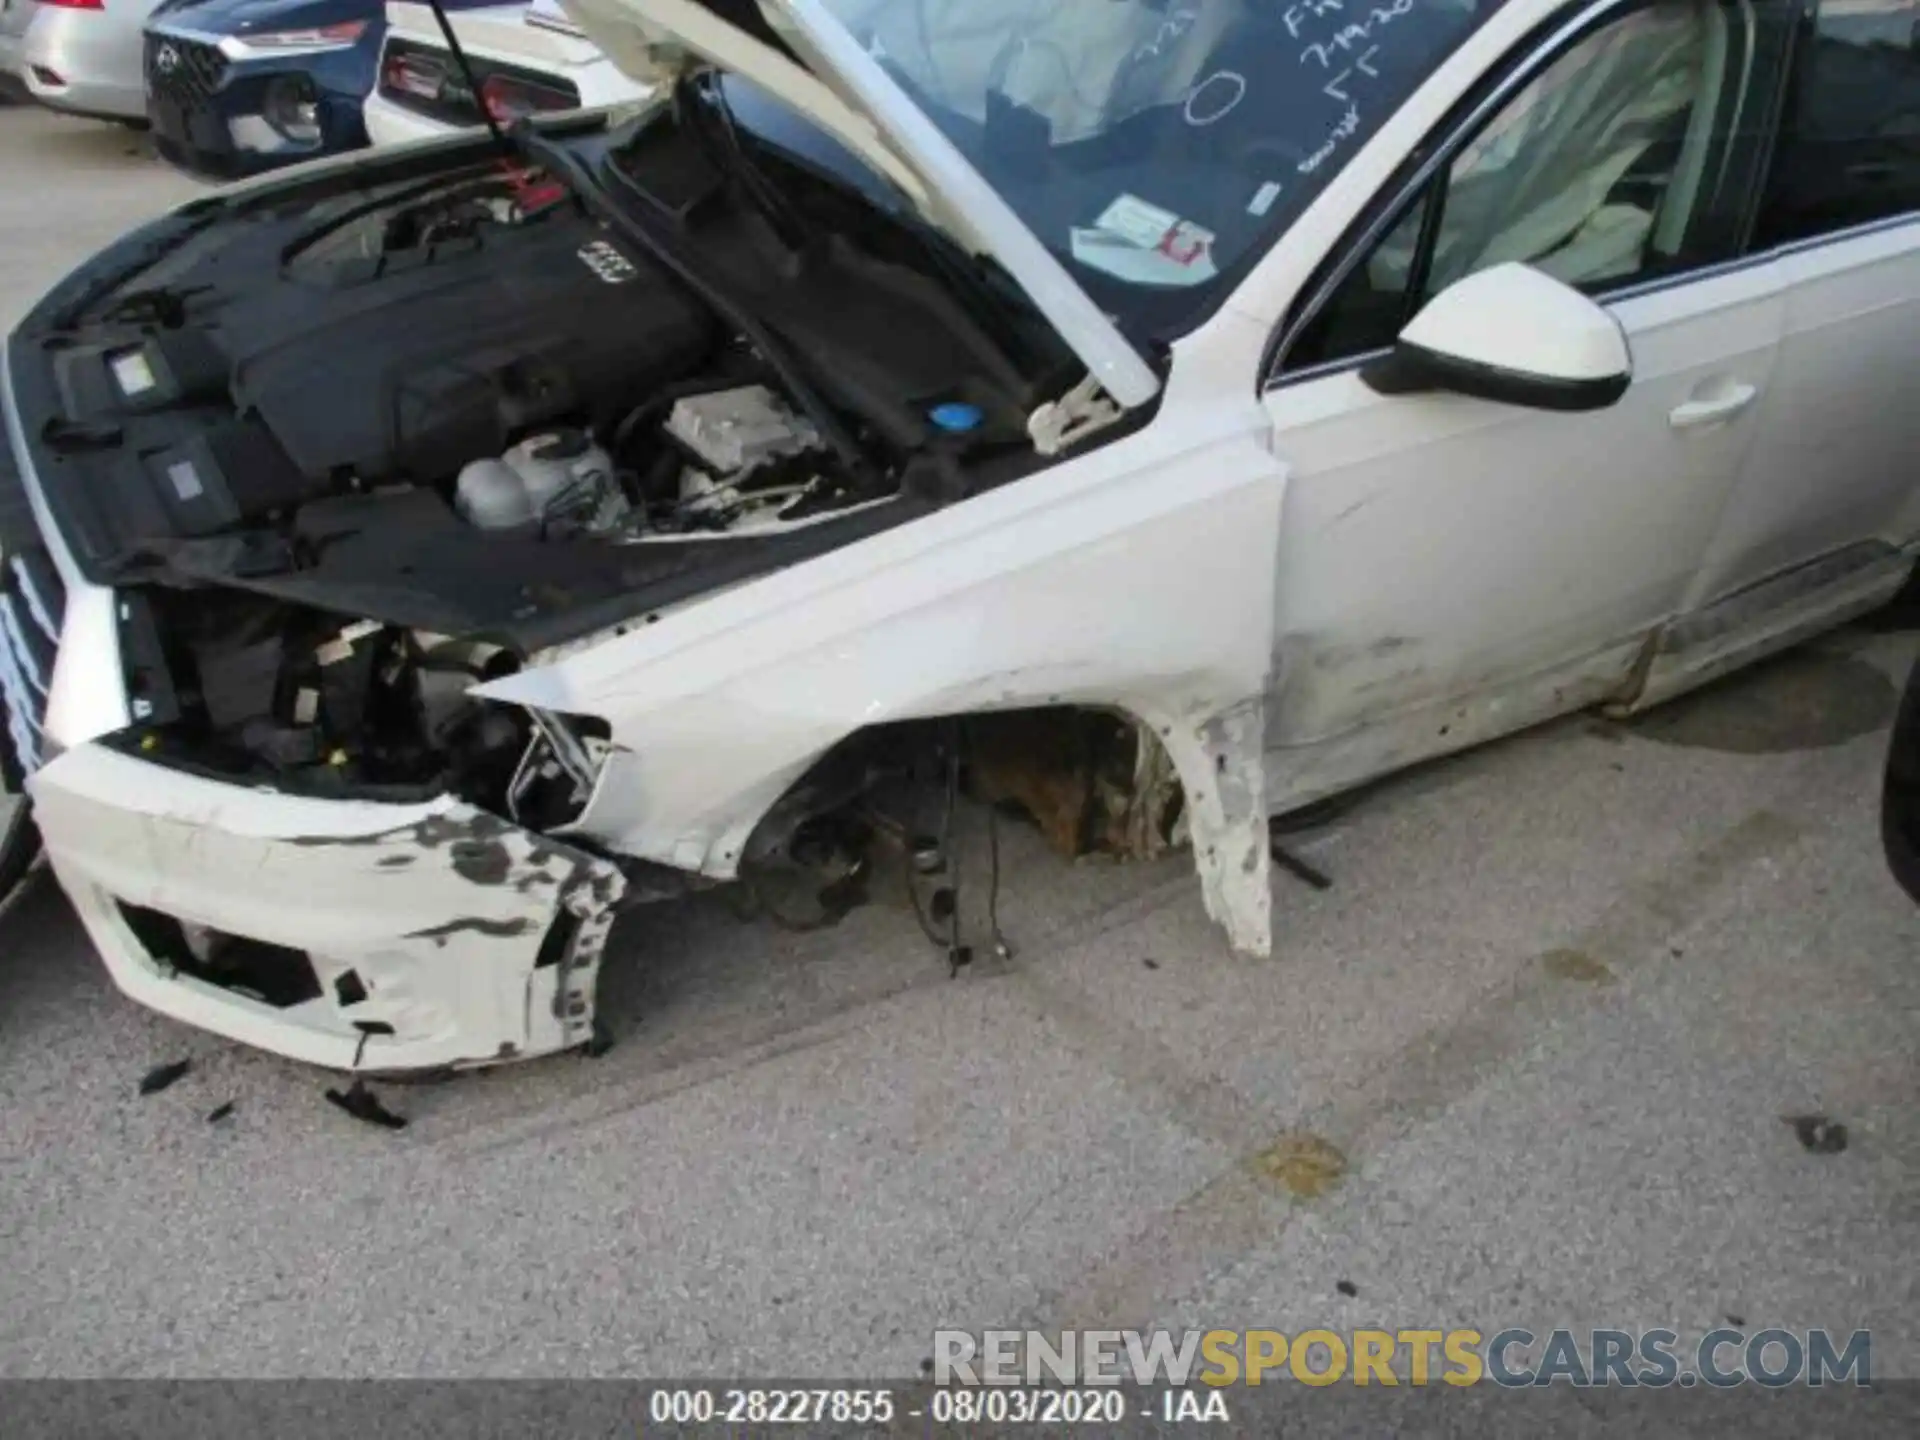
<point>19,840</point>
<point>1900,792</point>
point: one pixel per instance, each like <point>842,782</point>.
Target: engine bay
<point>350,450</point>
<point>461,343</point>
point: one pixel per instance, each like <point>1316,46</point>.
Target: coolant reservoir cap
<point>956,417</point>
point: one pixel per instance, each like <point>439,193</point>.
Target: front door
<point>1453,568</point>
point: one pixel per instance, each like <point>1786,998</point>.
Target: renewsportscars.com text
<point>1510,1357</point>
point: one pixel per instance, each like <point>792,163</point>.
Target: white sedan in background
<point>528,59</point>
<point>82,57</point>
<point>1161,414</point>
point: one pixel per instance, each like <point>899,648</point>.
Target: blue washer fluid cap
<point>956,417</point>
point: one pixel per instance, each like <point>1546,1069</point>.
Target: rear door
<point>1453,568</point>
<point>1836,472</point>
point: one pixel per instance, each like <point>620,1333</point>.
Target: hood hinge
<point>1084,410</point>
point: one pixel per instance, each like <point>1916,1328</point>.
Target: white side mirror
<point>1512,334</point>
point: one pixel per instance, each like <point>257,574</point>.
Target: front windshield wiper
<point>560,161</point>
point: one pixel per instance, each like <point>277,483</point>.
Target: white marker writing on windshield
<point>1298,15</point>
<point>1232,88</point>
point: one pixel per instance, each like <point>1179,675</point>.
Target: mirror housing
<point>1511,334</point>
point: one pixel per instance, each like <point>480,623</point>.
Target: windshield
<point>1157,146</point>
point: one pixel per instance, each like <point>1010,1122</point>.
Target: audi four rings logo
<point>166,60</point>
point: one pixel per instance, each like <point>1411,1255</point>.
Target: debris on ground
<point>1818,1134</point>
<point>1296,867</point>
<point>363,1105</point>
<point>162,1076</point>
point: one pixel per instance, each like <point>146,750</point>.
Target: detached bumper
<point>432,935</point>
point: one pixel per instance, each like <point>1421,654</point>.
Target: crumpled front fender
<point>1139,576</point>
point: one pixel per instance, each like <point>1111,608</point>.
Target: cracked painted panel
<point>1229,822</point>
<point>1139,577</point>
<point>428,921</point>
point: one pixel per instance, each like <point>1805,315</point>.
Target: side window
<point>1849,149</point>
<point>1619,161</point>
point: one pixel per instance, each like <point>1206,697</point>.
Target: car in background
<point>15,15</point>
<point>527,59</point>
<point>83,56</point>
<point>234,87</point>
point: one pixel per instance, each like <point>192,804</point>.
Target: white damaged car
<point>414,559</point>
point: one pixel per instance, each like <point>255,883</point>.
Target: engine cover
<point>408,366</point>
<point>260,379</point>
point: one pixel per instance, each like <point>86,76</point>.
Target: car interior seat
<point>1543,184</point>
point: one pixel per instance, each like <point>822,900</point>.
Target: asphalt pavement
<point>1525,1063</point>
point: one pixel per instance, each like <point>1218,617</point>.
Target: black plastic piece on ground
<point>363,1105</point>
<point>1298,868</point>
<point>162,1076</point>
<point>1818,1134</point>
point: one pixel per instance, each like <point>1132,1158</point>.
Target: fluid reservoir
<point>543,478</point>
<point>492,496</point>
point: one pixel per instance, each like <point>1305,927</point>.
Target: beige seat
<point>1534,187</point>
<point>1085,65</point>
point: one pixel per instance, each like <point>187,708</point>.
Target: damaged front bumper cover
<point>347,934</point>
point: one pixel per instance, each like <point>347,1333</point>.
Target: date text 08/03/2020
<point>958,1405</point>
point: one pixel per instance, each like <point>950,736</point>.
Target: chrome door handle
<point>1707,412</point>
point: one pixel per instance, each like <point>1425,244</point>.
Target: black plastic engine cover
<point>282,379</point>
<point>408,367</point>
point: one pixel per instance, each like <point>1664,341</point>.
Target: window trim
<point>1805,32</point>
<point>1321,369</point>
<point>1552,40</point>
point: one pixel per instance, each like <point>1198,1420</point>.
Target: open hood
<point>797,51</point>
